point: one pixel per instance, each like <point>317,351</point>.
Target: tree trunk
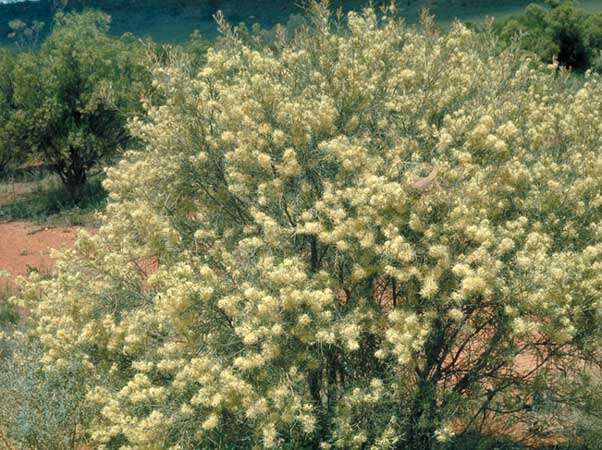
<point>420,433</point>
<point>75,183</point>
<point>425,414</point>
<point>73,177</point>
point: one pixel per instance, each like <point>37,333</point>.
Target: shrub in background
<point>74,94</point>
<point>23,35</point>
<point>364,237</point>
<point>197,47</point>
<point>8,154</point>
<point>560,31</point>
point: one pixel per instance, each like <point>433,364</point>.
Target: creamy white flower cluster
<point>322,214</point>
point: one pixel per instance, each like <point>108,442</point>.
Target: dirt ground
<point>25,246</point>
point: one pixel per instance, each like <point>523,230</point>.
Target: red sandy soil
<point>25,246</point>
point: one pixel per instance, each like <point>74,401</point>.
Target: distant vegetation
<point>23,34</point>
<point>7,154</point>
<point>66,103</point>
<point>72,97</point>
<point>562,31</point>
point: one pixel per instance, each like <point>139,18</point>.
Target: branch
<point>481,363</point>
<point>466,342</point>
<point>5,441</point>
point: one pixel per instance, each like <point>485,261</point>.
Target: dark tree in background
<point>7,155</point>
<point>74,94</point>
<point>560,30</point>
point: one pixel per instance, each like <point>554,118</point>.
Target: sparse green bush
<point>580,418</point>
<point>259,37</point>
<point>197,48</point>
<point>8,314</point>
<point>8,153</point>
<point>478,441</point>
<point>73,97</point>
<point>25,35</point>
<point>38,409</point>
<point>561,31</point>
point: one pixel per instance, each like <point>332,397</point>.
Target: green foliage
<point>24,174</point>
<point>39,410</point>
<point>8,155</point>
<point>8,313</point>
<point>24,35</point>
<point>73,96</point>
<point>197,47</point>
<point>562,31</point>
<point>51,202</point>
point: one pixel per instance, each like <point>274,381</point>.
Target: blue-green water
<point>174,20</point>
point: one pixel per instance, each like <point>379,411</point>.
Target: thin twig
<point>5,441</point>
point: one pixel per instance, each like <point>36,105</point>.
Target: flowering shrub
<point>365,237</point>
